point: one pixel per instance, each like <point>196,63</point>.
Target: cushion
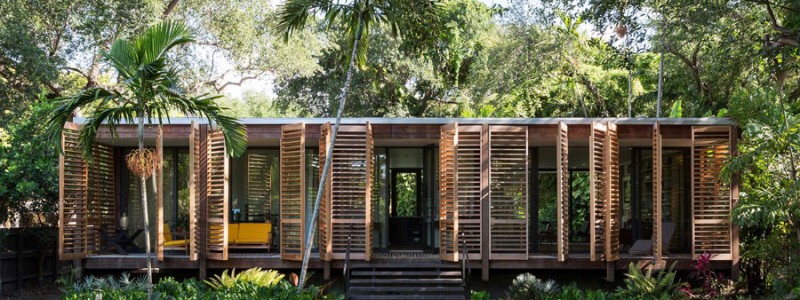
<point>254,233</point>
<point>233,233</point>
<point>167,233</point>
<point>175,243</point>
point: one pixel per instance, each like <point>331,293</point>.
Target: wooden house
<point>549,193</point>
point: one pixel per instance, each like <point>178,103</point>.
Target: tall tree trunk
<point>630,89</point>
<point>660,84</point>
<point>143,183</point>
<point>324,176</point>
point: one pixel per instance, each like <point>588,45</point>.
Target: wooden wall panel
<point>101,196</point>
<point>350,193</point>
<point>597,191</point>
<point>73,194</point>
<point>657,193</point>
<point>217,202</point>
<point>293,191</point>
<point>508,182</point>
<point>448,208</point>
<point>325,220</point>
<point>612,206</point>
<point>469,187</point>
<point>711,198</point>
<point>194,185</point>
<point>562,180</point>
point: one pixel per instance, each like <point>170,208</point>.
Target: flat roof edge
<point>441,121</point>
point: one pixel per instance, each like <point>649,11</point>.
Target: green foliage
<point>250,284</point>
<point>527,286</point>
<point>677,109</point>
<point>663,285</point>
<point>480,295</point>
<point>256,276</point>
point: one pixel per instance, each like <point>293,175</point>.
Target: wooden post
<point>326,271</point>
<point>610,269</point>
<point>160,195</point>
<point>735,182</point>
<point>485,205</point>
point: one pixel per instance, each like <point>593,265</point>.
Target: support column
<point>202,223</point>
<point>485,203</point>
<point>610,269</point>
<point>735,182</point>
<point>326,272</point>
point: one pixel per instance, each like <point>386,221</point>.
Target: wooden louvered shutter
<point>448,194</point>
<point>711,198</point>
<point>348,203</point>
<point>160,194</point>
<point>657,193</point>
<point>470,187</point>
<point>217,199</point>
<point>597,191</point>
<point>562,179</point>
<point>612,205</point>
<point>325,218</point>
<point>101,201</point>
<point>508,163</point>
<point>194,186</point>
<point>293,191</point>
<point>259,184</point>
<point>73,194</point>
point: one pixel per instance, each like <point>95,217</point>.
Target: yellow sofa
<point>172,244</point>
<point>250,235</point>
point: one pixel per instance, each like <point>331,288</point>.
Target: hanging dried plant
<point>621,30</point>
<point>143,162</point>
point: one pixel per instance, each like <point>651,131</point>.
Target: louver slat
<point>711,198</point>
<point>217,199</point>
<point>292,191</point>
<point>508,163</point>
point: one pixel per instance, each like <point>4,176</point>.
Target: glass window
<point>254,186</point>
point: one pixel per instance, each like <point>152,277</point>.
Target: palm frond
<point>294,14</point>
<point>112,117</point>
<point>122,56</point>
<point>67,106</point>
<point>204,106</point>
<point>160,38</point>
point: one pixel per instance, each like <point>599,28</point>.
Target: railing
<point>346,269</point>
<point>466,270</point>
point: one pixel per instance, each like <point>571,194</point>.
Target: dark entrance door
<point>406,230</point>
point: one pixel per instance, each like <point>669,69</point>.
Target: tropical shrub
<point>662,285</point>
<point>572,292</point>
<point>480,295</point>
<point>255,276</point>
<point>527,286</point>
<point>702,272</point>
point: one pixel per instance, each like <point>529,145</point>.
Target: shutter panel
<point>325,218</point>
<point>612,205</point>
<point>348,205</point>
<point>711,198</point>
<point>448,208</point>
<point>469,187</point>
<point>217,201</point>
<point>657,194</point>
<point>259,184</point>
<point>562,179</point>
<point>194,185</point>
<point>73,183</point>
<point>293,191</point>
<point>597,191</point>
<point>160,194</point>
<point>102,204</point>
<point>508,163</point>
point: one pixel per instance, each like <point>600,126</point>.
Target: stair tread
<point>405,273</point>
<point>406,280</point>
<point>410,297</point>
<point>406,289</point>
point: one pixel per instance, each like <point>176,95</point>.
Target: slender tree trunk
<point>324,177</point>
<point>143,182</point>
<point>660,84</point>
<point>630,89</point>
<point>786,127</point>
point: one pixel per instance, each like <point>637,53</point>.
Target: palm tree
<point>147,89</point>
<point>356,17</point>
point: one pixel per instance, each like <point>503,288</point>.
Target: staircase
<point>405,282</point>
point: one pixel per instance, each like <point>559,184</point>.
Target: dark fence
<point>28,257</point>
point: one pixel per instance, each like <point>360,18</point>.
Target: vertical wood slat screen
<point>194,185</point>
<point>508,162</point>
<point>612,205</point>
<point>73,210</point>
<point>562,180</point>
<point>448,208</point>
<point>217,199</point>
<point>711,198</point>
<point>469,187</point>
<point>292,191</point>
<point>348,205</point>
<point>597,191</point>
<point>325,219</point>
<point>259,184</point>
<point>657,193</point>
<point>159,173</point>
<point>102,203</point>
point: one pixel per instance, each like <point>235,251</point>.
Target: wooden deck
<point>579,261</point>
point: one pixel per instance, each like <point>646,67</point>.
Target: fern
<point>646,286</point>
<point>527,286</point>
<point>256,276</point>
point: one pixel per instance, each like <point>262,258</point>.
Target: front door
<point>406,229</point>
